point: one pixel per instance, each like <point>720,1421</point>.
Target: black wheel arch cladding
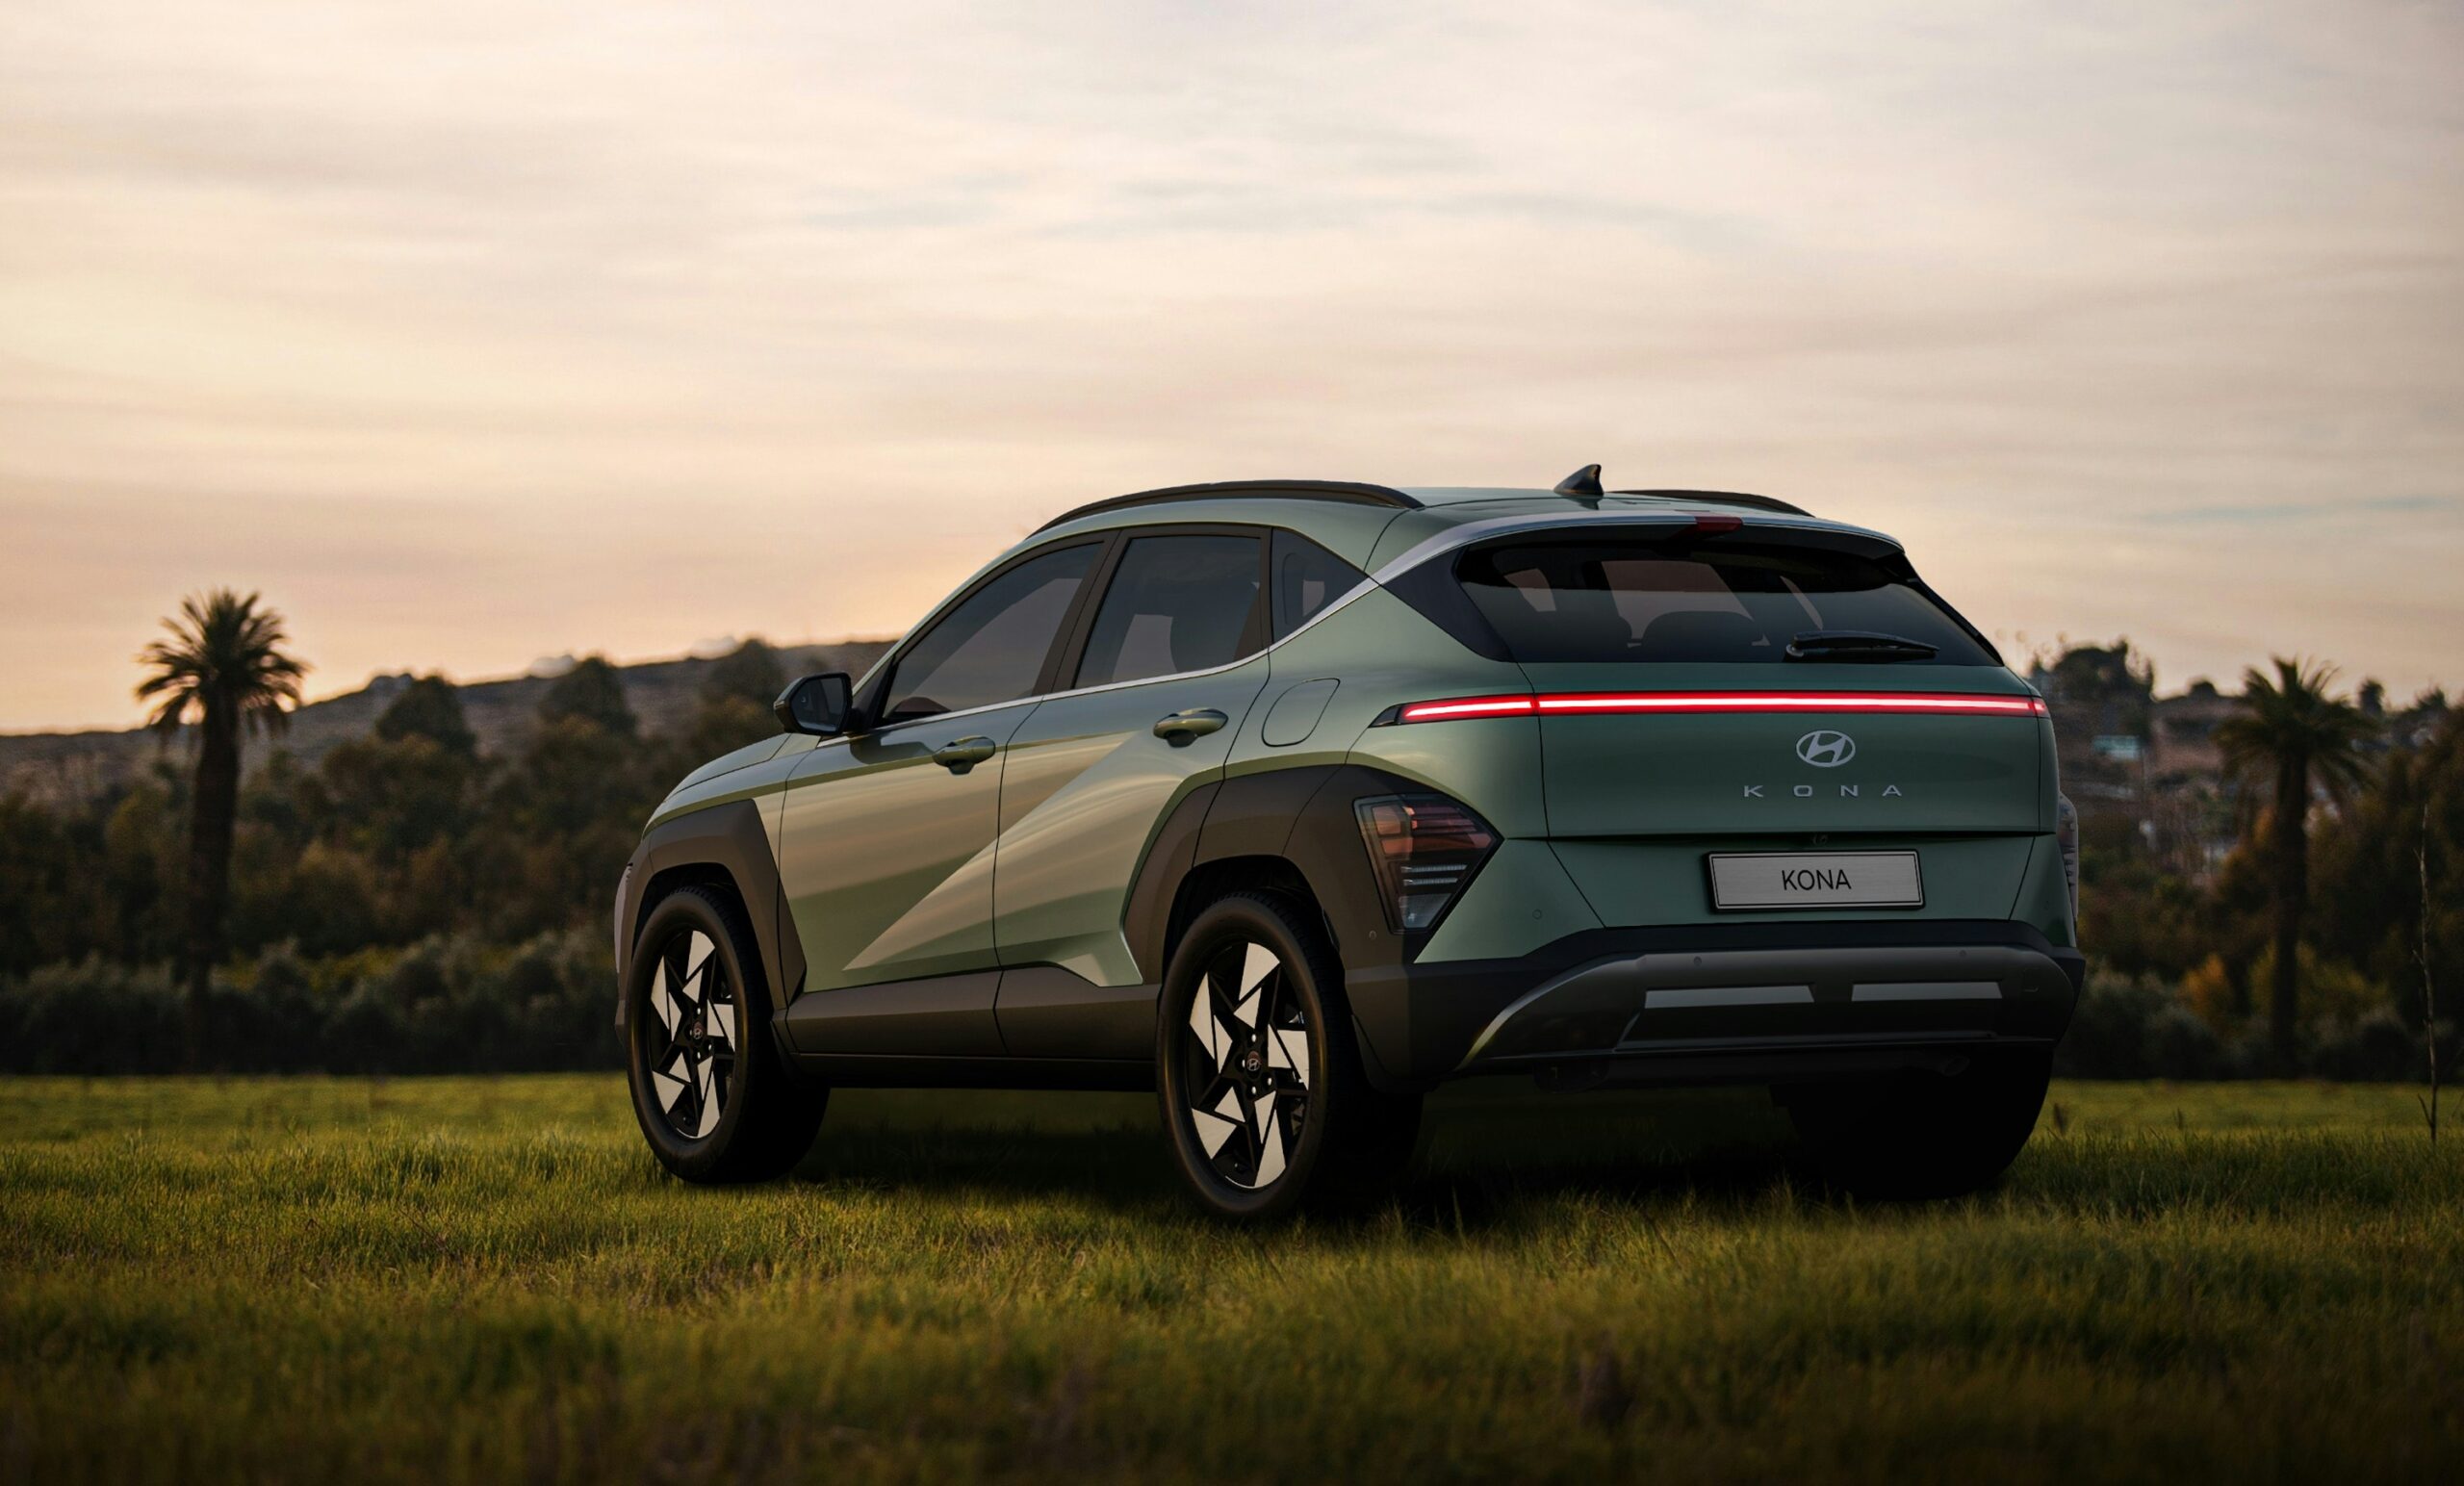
<point>723,845</point>
<point>1298,821</point>
<point>1302,818</point>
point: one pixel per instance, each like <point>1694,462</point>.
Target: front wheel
<point>1923,1135</point>
<point>712,1095</point>
<point>1260,1082</point>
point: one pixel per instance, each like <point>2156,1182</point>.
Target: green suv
<point>1291,799</point>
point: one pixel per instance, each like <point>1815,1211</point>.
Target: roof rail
<point>1732,496</point>
<point>1351,491</point>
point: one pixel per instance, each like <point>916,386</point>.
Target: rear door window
<point>1607,601</point>
<point>1187,602</point>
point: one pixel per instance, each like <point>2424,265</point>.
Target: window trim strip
<point>879,668</point>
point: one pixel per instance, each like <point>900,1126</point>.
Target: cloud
<point>470,331</point>
<point>2325,510</point>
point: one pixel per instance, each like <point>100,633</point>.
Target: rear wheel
<point>1259,1080</point>
<point>712,1095</point>
<point>1923,1135</point>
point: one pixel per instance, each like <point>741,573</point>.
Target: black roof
<point>1359,493</point>
<point>1349,491</point>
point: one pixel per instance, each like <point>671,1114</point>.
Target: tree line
<point>409,903</point>
<point>2313,944</point>
<point>181,900</point>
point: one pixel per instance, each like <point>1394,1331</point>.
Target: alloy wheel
<point>1246,1063</point>
<point>693,1075</point>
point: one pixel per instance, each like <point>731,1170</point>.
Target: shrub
<point>446,1005</point>
<point>2141,1027</point>
<point>92,1016</point>
<point>2376,1046</point>
<point>2107,1037</point>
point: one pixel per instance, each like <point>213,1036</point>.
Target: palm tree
<point>2292,733</point>
<point>224,668</point>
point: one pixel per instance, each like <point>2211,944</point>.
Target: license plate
<point>1816,880</point>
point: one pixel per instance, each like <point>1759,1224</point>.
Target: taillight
<point>1637,703</point>
<point>1453,707</point>
<point>1423,849</point>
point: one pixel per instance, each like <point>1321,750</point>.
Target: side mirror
<point>816,704</point>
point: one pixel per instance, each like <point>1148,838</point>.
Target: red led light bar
<point>1469,706</point>
<point>1598,703</point>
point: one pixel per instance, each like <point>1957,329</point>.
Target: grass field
<point>485,1279</point>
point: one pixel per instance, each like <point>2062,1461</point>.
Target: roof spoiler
<point>1725,497</point>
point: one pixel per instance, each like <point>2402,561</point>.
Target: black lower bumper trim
<point>1768,990</point>
<point>1777,1061</point>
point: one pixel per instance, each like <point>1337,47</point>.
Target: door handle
<point>1182,729</point>
<point>961,755</point>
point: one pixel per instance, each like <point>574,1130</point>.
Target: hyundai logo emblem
<point>1825,749</point>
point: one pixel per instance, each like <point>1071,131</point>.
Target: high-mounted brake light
<point>1705,525</point>
<point>1595,703</point>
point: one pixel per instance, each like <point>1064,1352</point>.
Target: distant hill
<point>58,766</point>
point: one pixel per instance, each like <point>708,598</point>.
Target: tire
<point>710,1091</point>
<point>1923,1136</point>
<point>1259,1081</point>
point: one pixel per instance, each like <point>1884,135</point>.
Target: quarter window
<point>993,645</point>
<point>1175,603</point>
<point>1307,577</point>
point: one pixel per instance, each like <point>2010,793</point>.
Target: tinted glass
<point>1175,603</point>
<point>1307,577</point>
<point>1607,602</point>
<point>991,647</point>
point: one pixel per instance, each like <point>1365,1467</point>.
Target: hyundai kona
<point>1294,800</point>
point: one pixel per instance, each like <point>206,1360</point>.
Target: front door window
<point>991,648</point>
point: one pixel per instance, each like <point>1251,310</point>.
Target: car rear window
<point>1610,602</point>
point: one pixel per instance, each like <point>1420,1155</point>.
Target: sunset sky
<point>478,332</point>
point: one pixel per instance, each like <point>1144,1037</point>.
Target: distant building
<point>2100,696</point>
<point>2141,767</point>
<point>2184,743</point>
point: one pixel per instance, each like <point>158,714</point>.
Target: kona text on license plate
<point>1815,879</point>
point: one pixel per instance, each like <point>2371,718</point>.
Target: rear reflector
<point>1581,703</point>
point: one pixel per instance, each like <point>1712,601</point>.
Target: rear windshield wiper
<point>1856,644</point>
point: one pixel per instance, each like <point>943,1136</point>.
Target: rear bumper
<point>1769,1002</point>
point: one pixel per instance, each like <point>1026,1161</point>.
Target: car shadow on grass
<point>1499,1154</point>
<point>1493,1154</point>
<point>1117,1167</point>
<point>1485,1153</point>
